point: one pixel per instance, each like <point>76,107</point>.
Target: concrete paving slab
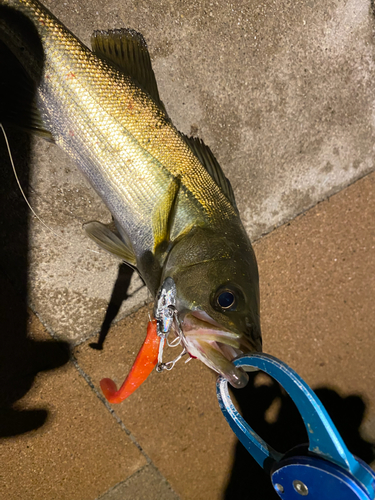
<point>317,282</point>
<point>282,93</point>
<point>80,451</point>
<point>145,484</point>
<point>325,263</point>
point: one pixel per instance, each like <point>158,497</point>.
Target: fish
<point>174,211</point>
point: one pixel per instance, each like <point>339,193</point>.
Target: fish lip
<point>246,345</point>
<point>216,346</point>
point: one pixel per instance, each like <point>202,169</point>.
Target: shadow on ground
<point>119,295</point>
<point>273,415</point>
<point>21,357</point>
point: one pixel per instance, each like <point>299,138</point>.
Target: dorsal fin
<point>127,50</point>
<point>208,160</point>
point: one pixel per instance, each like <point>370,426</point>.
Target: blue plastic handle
<point>324,439</point>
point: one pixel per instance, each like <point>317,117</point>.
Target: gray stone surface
<point>281,92</point>
<point>145,484</point>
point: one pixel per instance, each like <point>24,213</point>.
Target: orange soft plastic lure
<point>144,363</point>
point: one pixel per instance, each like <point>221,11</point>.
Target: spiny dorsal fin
<point>208,160</point>
<point>105,235</point>
<point>127,50</point>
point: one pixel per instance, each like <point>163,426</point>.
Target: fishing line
<point>27,201</point>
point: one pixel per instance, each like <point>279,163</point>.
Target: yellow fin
<point>210,163</point>
<point>127,49</point>
<point>106,238</point>
<point>163,217</point>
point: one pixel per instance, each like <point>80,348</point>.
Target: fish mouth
<point>215,346</point>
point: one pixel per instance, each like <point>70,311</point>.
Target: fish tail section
<point>18,107</point>
<point>19,32</point>
<point>21,67</point>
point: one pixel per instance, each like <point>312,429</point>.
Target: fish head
<point>217,298</point>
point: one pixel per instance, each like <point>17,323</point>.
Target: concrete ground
<point>284,96</point>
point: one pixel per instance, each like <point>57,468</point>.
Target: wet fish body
<point>174,211</point>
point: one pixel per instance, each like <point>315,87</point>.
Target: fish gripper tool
<point>327,470</point>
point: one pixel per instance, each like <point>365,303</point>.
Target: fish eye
<point>226,300</point>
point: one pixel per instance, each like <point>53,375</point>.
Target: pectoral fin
<point>163,218</point>
<point>106,237</point>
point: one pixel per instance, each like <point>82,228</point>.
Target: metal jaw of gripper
<point>166,316</point>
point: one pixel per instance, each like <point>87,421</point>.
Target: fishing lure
<point>151,352</point>
<point>144,363</point>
